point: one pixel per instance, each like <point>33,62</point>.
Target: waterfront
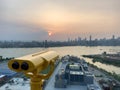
<point>73,50</point>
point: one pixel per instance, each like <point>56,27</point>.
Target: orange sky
<point>65,17</point>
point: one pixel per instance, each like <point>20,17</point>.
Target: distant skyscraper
<point>79,39</point>
<point>90,38</point>
<point>45,44</point>
<point>113,37</point>
<point>85,39</point>
<point>68,39</point>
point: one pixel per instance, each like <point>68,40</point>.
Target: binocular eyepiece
<point>24,65</point>
<point>15,65</point>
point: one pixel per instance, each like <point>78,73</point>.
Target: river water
<point>71,50</point>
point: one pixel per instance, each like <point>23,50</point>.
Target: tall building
<point>46,44</point>
<point>79,39</point>
<point>69,40</point>
<point>113,37</point>
<point>90,38</point>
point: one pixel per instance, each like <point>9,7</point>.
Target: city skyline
<point>58,19</point>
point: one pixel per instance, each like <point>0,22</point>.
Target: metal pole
<point>36,83</point>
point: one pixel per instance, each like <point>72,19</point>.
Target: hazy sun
<point>50,33</point>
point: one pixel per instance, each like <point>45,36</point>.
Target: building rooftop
<point>21,84</point>
<point>16,84</point>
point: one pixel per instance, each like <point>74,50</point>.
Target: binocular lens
<point>15,65</point>
<point>24,66</point>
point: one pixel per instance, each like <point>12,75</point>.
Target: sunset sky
<point>58,19</point>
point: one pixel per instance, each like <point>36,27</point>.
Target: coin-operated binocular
<point>32,65</point>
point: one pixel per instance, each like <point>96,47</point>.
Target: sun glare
<point>50,33</point>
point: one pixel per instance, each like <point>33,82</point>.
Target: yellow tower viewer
<point>32,65</point>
